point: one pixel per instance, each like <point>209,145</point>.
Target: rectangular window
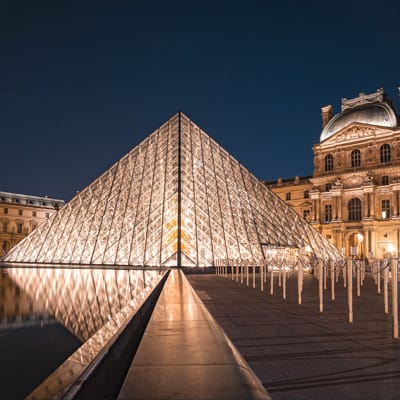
<point>306,194</point>
<point>328,187</point>
<point>33,213</point>
<point>328,213</point>
<point>19,212</point>
<point>385,209</point>
<point>19,227</point>
<point>288,196</point>
<point>306,214</point>
<point>47,215</point>
<point>6,211</point>
<point>5,226</point>
<point>385,180</point>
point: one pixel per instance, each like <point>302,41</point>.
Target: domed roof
<point>376,113</point>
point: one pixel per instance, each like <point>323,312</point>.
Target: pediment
<point>354,132</point>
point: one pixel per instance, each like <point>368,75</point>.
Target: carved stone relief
<point>355,132</point>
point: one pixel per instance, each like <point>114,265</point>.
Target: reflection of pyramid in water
<point>84,300</point>
<point>177,198</point>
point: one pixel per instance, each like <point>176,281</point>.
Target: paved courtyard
<point>300,353</point>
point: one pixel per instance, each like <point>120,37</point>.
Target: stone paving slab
<point>300,353</point>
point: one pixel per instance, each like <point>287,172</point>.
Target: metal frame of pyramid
<point>176,199</point>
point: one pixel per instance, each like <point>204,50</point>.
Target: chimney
<point>327,113</point>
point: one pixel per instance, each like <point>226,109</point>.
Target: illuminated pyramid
<point>176,199</point>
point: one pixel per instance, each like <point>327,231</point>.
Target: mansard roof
<point>373,109</point>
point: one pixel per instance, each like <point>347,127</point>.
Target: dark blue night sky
<point>81,83</point>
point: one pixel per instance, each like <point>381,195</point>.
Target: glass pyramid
<point>176,199</point>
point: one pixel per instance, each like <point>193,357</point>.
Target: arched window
<point>385,153</point>
<point>355,209</point>
<point>355,158</point>
<point>329,162</point>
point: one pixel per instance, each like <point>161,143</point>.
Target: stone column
<point>337,204</point>
<point>335,211</point>
<point>315,201</point>
<point>373,244</point>
<point>365,209</point>
<point>372,204</point>
<point>395,202</point>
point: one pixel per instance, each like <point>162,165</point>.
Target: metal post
<point>280,276</point>
<point>247,272</point>
<point>350,289</point>
<point>358,266</point>
<point>300,281</point>
<point>378,278</point>
<point>362,272</point>
<point>395,311</point>
<point>385,288</point>
<point>262,275</point>
<point>272,280</point>
<point>284,283</point>
<point>333,279</point>
<point>320,283</point>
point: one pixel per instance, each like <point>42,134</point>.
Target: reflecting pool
<point>46,314</point>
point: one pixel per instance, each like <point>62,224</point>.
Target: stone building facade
<point>20,215</point>
<point>353,196</point>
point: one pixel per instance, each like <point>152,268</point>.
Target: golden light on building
<point>353,196</point>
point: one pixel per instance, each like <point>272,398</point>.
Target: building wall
<point>374,180</point>
<point>20,215</point>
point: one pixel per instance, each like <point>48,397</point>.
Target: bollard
<point>272,280</point>
<point>350,289</point>
<point>262,275</point>
<point>358,266</point>
<point>333,280</point>
<point>280,276</point>
<point>300,273</point>
<point>362,272</point>
<point>284,284</point>
<point>395,299</point>
<point>320,283</point>
<point>378,278</point>
<point>385,288</point>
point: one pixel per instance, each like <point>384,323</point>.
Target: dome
<point>380,114</point>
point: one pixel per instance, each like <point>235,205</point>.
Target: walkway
<point>184,354</point>
<point>299,353</point>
